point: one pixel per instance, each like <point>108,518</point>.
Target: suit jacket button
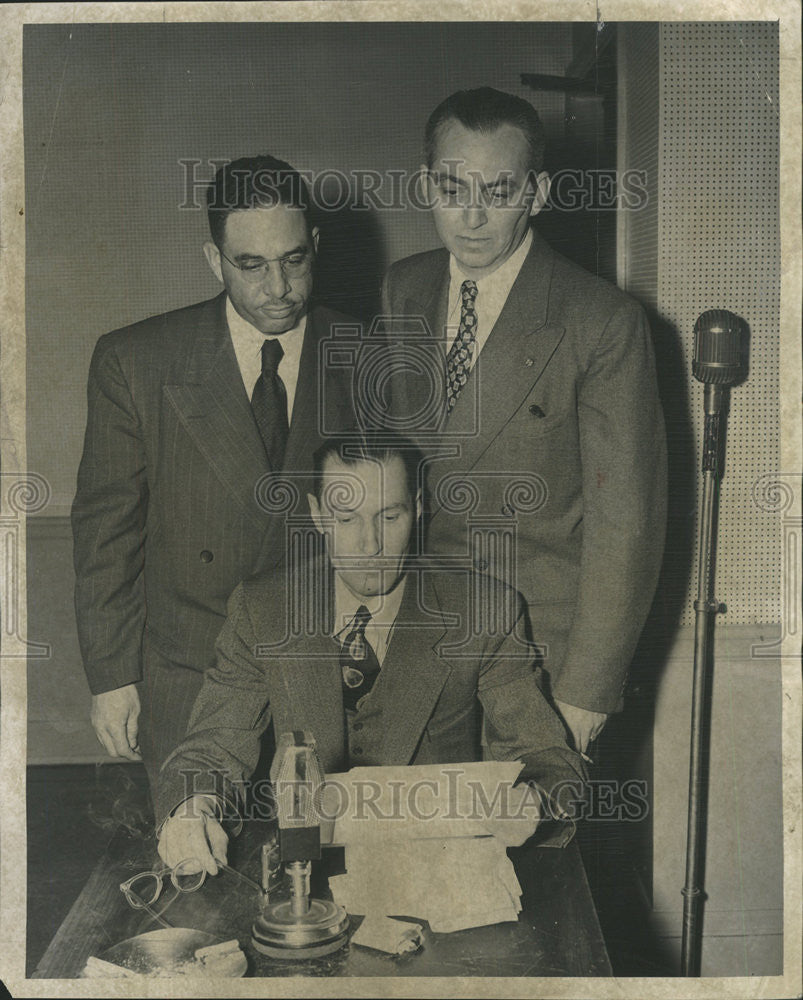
<point>357,727</point>
<point>481,564</point>
<point>207,556</point>
<point>536,410</point>
<point>508,511</point>
<point>356,751</point>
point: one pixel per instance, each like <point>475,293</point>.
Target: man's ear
<point>418,506</point>
<point>316,235</point>
<point>213,259</point>
<point>542,185</point>
<point>315,512</point>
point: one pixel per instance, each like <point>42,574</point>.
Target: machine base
<point>278,932</point>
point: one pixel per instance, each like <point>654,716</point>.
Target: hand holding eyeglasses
<point>194,832</point>
<point>142,891</point>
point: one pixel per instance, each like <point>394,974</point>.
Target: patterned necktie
<point>358,662</point>
<point>458,361</point>
<point>269,403</point>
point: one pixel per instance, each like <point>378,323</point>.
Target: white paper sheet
<point>428,801</point>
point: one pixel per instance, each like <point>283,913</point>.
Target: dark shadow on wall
<point>636,724</point>
<point>674,380</point>
<point>351,260</point>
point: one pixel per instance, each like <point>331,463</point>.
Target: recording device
<point>299,927</point>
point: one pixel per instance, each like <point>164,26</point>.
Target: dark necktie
<point>269,403</point>
<point>358,662</point>
<point>458,361</point>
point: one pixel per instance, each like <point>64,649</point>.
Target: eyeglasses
<point>293,265</point>
<point>142,891</point>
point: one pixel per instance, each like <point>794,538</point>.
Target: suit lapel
<point>303,422</point>
<point>321,403</point>
<point>413,674</point>
<point>431,303</point>
<point>321,400</point>
<point>305,673</point>
<point>214,408</point>
<point>518,349</point>
<point>309,675</point>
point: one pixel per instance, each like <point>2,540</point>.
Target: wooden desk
<point>557,933</point>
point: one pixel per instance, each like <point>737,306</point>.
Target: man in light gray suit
<point>546,376</point>
<point>188,412</point>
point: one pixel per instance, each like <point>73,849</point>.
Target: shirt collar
<point>502,278</point>
<point>251,340</point>
<point>384,608</point>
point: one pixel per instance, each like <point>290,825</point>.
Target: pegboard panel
<point>719,247</point>
<point>639,100</point>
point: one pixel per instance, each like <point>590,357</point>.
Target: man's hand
<point>584,725</point>
<point>518,817</point>
<point>115,717</point>
<point>193,831</point>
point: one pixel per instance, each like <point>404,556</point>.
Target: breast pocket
<point>539,419</point>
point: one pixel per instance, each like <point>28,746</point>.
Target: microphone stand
<point>706,608</point>
<point>717,363</point>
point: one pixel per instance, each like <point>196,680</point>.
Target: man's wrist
<point>194,807</point>
<point>218,807</point>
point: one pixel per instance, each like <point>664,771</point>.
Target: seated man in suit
<point>400,667</point>
<point>547,376</point>
<point>188,413</point>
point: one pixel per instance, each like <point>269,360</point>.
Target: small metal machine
<point>298,927</point>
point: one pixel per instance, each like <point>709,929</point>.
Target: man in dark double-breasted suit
<point>541,418</point>
<point>189,414</point>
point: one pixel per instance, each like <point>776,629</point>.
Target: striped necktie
<point>458,361</point>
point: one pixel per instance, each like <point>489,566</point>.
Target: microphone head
<point>717,348</point>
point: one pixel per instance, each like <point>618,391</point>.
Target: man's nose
<point>475,216</point>
<point>275,282</point>
<point>370,542</point>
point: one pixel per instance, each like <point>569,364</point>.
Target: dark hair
<point>377,447</point>
<point>253,182</point>
<point>484,110</point>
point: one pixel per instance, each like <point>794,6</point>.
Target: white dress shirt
<point>492,293</point>
<point>248,341</point>
<point>383,609</point>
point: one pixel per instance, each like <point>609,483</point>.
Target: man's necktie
<point>358,662</point>
<point>458,361</point>
<point>269,403</point>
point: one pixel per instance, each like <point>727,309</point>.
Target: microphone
<point>717,348</point>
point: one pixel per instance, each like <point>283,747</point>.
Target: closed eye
<point>294,259</point>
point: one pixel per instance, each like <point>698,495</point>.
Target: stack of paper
<point>453,884</point>
<point>430,801</point>
<point>429,841</point>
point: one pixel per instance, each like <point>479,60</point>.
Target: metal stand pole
<point>706,608</point>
